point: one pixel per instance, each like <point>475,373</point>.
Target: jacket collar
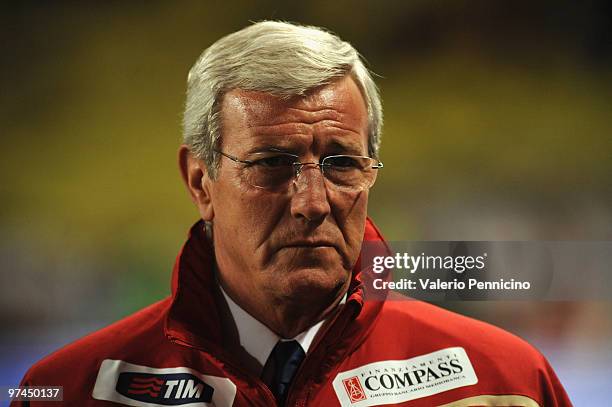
<point>194,316</point>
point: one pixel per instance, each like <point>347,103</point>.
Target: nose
<point>310,201</point>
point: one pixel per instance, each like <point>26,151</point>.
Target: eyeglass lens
<point>278,171</point>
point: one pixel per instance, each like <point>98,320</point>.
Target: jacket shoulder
<point>116,340</point>
<point>418,318</point>
<point>503,362</point>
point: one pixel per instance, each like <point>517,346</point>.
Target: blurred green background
<point>497,127</point>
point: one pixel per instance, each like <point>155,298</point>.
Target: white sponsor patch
<point>396,381</point>
<point>136,385</point>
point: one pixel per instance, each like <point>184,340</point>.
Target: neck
<point>285,316</point>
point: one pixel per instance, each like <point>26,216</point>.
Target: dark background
<point>497,128</point>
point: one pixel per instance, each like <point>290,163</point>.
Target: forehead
<point>336,110</point>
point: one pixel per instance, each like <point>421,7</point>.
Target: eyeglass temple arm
<point>231,157</point>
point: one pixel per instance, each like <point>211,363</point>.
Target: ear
<point>198,183</point>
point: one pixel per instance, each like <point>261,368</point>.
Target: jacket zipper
<point>256,380</point>
<point>299,402</point>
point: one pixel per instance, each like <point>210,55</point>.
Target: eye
<point>276,161</point>
<point>343,161</point>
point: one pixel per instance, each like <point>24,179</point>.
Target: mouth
<point>310,245</point>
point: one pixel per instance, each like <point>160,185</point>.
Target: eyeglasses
<point>275,171</point>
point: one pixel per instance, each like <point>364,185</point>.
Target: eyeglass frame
<point>299,165</point>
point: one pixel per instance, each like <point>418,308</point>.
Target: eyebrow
<point>350,147</point>
<point>275,148</point>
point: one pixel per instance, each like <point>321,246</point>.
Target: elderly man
<point>281,136</point>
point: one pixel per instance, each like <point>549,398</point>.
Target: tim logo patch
<point>137,385</point>
<point>167,389</point>
<point>398,381</point>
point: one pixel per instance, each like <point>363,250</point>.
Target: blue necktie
<point>280,368</point>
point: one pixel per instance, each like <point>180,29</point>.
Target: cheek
<point>351,216</point>
<point>356,236</point>
<point>246,216</point>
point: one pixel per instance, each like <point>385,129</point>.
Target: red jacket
<point>409,353</point>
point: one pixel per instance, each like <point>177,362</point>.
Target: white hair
<point>275,57</point>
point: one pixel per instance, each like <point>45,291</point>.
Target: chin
<point>308,274</point>
<point>315,283</point>
<point>298,258</point>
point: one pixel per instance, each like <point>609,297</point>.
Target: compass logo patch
<point>353,388</point>
<point>397,381</point>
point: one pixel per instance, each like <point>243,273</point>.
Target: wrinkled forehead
<point>341,102</point>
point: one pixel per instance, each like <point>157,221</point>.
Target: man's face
<point>304,240</point>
